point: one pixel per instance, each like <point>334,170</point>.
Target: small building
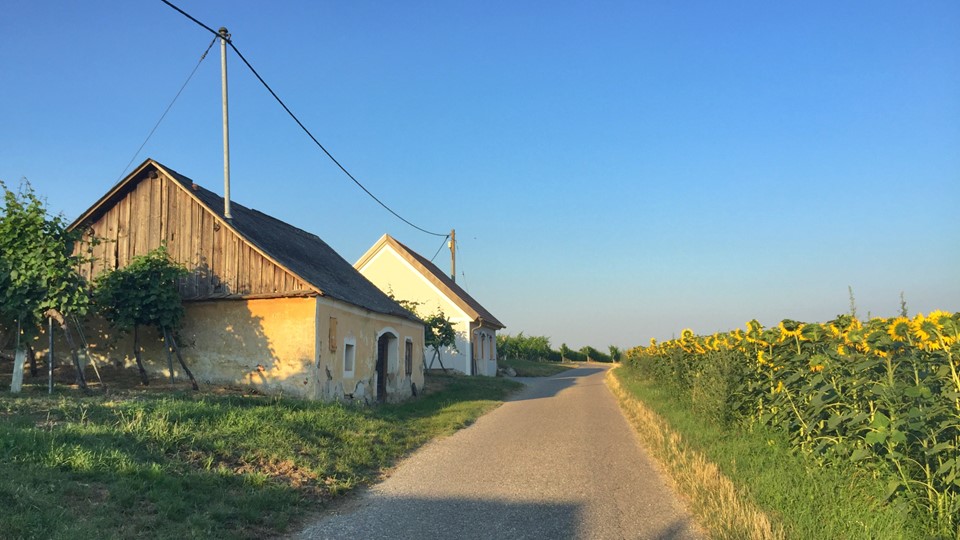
<point>267,304</point>
<point>407,275</point>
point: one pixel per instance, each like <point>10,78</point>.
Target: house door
<point>383,352</point>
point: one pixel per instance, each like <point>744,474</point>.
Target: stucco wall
<point>278,345</point>
<point>266,343</point>
<point>362,329</point>
<point>388,271</point>
<point>392,274</point>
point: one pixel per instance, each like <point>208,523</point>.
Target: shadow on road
<point>545,387</point>
<point>413,517</point>
<point>469,518</point>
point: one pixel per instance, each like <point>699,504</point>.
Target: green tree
<point>144,293</point>
<point>438,331</point>
<point>615,353</point>
<point>38,269</point>
<point>592,354</point>
<point>526,347</point>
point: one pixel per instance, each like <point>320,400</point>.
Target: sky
<point>615,171</point>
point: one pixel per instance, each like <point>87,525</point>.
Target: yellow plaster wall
<point>278,345</point>
<point>364,328</point>
<point>267,343</point>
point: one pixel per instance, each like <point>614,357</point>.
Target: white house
<point>396,269</point>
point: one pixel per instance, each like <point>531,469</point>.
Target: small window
<point>349,357</point>
<point>408,356</point>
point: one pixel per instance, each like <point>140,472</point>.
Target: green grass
<point>201,465</point>
<point>808,500</point>
<point>533,368</point>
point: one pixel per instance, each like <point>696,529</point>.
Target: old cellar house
<point>267,304</point>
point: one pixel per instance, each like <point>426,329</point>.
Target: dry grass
<point>715,501</point>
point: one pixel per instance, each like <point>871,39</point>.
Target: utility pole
<point>453,255</point>
<point>224,36</point>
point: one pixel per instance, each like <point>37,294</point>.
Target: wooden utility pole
<point>453,255</point>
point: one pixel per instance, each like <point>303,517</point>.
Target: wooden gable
<point>149,208</point>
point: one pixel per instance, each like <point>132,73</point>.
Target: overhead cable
<point>439,248</point>
<point>297,120</point>
<point>164,115</point>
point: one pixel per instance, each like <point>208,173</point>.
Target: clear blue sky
<point>615,171</point>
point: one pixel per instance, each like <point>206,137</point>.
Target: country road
<point>558,460</point>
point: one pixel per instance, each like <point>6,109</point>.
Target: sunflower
<point>899,329</point>
<point>789,329</point>
<point>925,331</point>
<point>937,316</point>
<point>761,359</point>
<point>686,334</point>
<point>855,324</point>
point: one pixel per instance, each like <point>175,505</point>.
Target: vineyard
<point>884,394</point>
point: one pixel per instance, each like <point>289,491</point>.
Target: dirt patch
<point>285,472</point>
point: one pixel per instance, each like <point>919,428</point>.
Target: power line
<point>439,248</point>
<point>164,115</point>
<point>299,123</point>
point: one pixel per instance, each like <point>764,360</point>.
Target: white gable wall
<point>389,271</point>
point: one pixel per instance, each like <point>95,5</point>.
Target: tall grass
<point>770,481</point>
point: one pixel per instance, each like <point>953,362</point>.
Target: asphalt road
<point>556,461</point>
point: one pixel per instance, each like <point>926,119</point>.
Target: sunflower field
<point>884,394</point>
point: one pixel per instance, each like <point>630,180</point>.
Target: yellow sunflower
<point>790,330</point>
<point>936,316</point>
<point>899,329</point>
<point>926,332</point>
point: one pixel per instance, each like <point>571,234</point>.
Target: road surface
<point>558,460</point>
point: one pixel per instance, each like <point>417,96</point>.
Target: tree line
<point>537,348</point>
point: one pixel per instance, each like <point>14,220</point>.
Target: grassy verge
<point>747,483</point>
<point>532,368</point>
<point>188,465</point>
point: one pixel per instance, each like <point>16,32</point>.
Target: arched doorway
<point>386,351</point>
